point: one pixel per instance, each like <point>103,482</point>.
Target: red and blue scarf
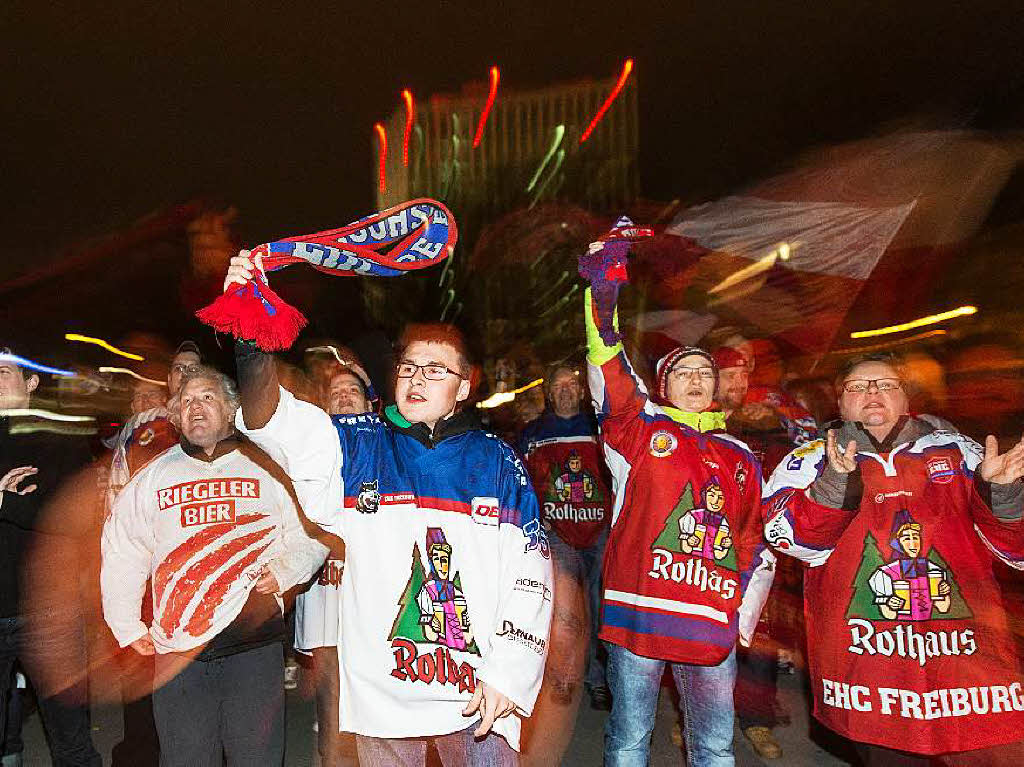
<point>407,237</point>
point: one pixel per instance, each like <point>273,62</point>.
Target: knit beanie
<point>666,363</point>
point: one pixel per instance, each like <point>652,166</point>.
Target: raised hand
<point>843,462</point>
<point>241,269</point>
<point>1002,469</point>
<point>10,481</point>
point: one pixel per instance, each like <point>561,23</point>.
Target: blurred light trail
<point>626,69</point>
<point>781,253</point>
<point>132,373</point>
<point>410,119</point>
<point>27,363</point>
<point>555,141</point>
<point>931,319</point>
<point>382,146</point>
<point>890,344</point>
<point>100,342</point>
<point>48,415</point>
<point>491,94</point>
<point>501,397</point>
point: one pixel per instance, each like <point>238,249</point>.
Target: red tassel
<point>254,312</point>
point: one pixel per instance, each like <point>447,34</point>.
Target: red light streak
<point>382,140</point>
<point>410,117</point>
<point>495,76</point>
<point>626,69</point>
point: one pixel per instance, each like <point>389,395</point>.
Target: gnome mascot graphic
<point>909,587</point>
<point>442,604</point>
<point>705,531</point>
<point>574,484</point>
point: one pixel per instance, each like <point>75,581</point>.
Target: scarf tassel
<point>253,312</point>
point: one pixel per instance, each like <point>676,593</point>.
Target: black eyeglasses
<point>431,371</point>
<point>861,385</point>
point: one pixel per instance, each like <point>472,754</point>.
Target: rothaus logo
<point>568,512</point>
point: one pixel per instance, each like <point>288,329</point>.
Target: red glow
<point>382,140</point>
<point>410,117</point>
<point>626,69</point>
<point>495,75</point>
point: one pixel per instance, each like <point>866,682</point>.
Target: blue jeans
<point>705,694</point>
<point>458,749</point>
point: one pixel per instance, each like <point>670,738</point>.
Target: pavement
<point>800,745</point>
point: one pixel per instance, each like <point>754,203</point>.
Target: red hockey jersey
<point>908,643</point>
<point>686,535</point>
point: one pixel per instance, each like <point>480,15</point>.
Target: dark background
<point>114,109</point>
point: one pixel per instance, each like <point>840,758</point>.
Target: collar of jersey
<point>459,423</point>
<point>709,420</point>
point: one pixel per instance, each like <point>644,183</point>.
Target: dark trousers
<point>227,710</point>
<point>757,672</point>
<point>51,649</point>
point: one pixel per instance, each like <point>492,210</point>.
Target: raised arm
<point>811,498</point>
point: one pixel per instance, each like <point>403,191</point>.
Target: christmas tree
<point>958,608</point>
<point>407,622</point>
<point>669,537</point>
<point>862,604</point>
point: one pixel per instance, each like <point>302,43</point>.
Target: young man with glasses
<point>900,518</point>
<point>684,576</point>
<point>444,614</point>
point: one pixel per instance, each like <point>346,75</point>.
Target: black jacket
<point>22,521</point>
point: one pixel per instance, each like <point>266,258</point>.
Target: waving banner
<point>407,237</point>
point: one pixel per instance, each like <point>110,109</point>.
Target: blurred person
<point>347,391</point>
<point>42,628</point>
<point>985,390</point>
<point>815,395</point>
<point>149,431</point>
<point>763,429</point>
<point>899,519</point>
<point>684,573</point>
<point>564,461</point>
<point>443,615</point>
<point>214,524</point>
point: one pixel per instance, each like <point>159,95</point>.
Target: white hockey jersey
<point>203,530</point>
<point>447,573</point>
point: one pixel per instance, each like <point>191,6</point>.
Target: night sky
<point>115,111</point>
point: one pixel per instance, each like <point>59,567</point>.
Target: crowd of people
<point>457,595</point>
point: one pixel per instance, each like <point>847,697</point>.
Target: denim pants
<point>459,749</point>
<point>228,710</point>
<point>51,648</point>
<point>705,695</point>
<point>585,566</point>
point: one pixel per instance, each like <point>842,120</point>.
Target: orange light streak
<point>410,118</point>
<point>491,94</point>
<point>626,69</point>
<point>382,141</point>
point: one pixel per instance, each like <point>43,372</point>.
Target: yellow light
<point>133,374</point>
<point>763,264</point>
<point>931,319</point>
<point>890,344</point>
<point>100,342</point>
<point>503,397</point>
